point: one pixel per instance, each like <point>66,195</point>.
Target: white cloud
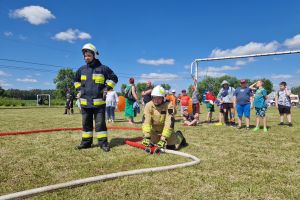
<point>211,74</point>
<point>71,35</point>
<point>2,73</point>
<point>161,61</point>
<point>223,68</point>
<point>281,76</point>
<point>187,67</point>
<point>293,83</point>
<point>292,43</point>
<point>26,80</point>
<point>8,34</point>
<point>84,36</point>
<point>4,84</point>
<point>250,48</point>
<point>35,15</point>
<point>244,61</point>
<point>217,71</point>
<point>298,71</point>
<point>48,84</point>
<point>159,77</point>
<point>22,37</point>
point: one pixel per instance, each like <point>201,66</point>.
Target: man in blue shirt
<point>243,99</point>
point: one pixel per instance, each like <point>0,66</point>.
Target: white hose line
<point>84,181</point>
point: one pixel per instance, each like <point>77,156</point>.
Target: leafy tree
<point>27,94</point>
<point>214,84</point>
<point>123,87</point>
<point>296,90</point>
<point>63,81</point>
<point>165,86</point>
<point>140,87</point>
<point>268,85</point>
<point>1,91</point>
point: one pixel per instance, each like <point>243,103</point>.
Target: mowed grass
<point>235,164</point>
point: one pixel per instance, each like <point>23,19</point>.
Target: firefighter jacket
<point>159,119</point>
<point>91,81</point>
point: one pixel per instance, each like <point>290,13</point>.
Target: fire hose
<point>101,178</point>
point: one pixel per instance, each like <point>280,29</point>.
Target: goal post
<point>43,99</point>
<point>196,63</point>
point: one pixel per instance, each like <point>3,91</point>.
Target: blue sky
<point>154,40</point>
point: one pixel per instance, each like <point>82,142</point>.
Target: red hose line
<point>64,129</point>
<point>134,143</point>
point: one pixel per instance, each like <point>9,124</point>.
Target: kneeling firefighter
<point>91,80</point>
<point>158,127</point>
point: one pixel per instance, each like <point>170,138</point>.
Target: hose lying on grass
<point>65,129</point>
<point>84,181</point>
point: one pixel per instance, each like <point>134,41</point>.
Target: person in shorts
<point>283,103</point>
<point>259,104</point>
<point>225,97</point>
<point>189,119</point>
<point>184,101</point>
<point>243,99</point>
<point>209,101</point>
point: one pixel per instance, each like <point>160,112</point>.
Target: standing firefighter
<point>92,80</point>
<point>158,127</point>
<point>69,102</point>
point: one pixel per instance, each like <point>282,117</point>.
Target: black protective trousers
<point>89,115</point>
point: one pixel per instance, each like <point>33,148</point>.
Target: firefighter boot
<point>103,144</point>
<point>85,143</point>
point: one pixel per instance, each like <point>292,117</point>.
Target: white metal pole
<point>248,56</point>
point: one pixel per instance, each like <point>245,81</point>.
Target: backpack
<point>128,94</point>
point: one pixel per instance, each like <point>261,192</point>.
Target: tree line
<point>65,78</point>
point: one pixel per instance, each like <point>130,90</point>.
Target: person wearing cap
<point>225,97</point>
<point>91,80</point>
<point>184,101</point>
<point>189,119</point>
<point>158,127</point>
<point>243,100</point>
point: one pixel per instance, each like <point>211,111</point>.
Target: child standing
<point>283,103</point>
<point>209,101</point>
<point>184,101</point>
<point>111,103</point>
<point>260,105</point>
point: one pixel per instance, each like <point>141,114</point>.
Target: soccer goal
<point>43,99</point>
<point>196,63</point>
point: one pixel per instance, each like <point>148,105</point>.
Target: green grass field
<point>235,164</point>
